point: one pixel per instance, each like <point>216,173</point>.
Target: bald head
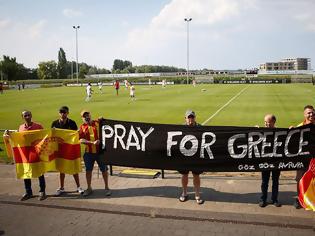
<point>270,120</point>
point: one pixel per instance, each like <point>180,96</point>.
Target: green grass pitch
<point>235,105</point>
<point>227,105</point>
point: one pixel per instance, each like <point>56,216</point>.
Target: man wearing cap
<point>89,135</point>
<point>65,123</point>
<point>190,119</point>
<point>30,125</point>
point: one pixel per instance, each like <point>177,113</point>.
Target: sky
<point>223,34</point>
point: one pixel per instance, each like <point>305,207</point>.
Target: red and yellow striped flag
<point>38,151</point>
<point>307,188</point>
<point>7,146</point>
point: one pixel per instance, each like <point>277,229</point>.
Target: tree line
<point>11,70</point>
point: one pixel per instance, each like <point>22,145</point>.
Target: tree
<point>10,67</point>
<point>62,64</point>
<point>47,70</point>
<point>118,65</point>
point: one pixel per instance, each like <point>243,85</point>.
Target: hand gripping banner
<point>206,148</point>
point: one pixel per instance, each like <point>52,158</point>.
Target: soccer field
<point>228,105</point>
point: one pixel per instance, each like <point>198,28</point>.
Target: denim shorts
<point>89,160</point>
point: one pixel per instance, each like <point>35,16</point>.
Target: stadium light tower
<point>76,46</point>
<point>187,20</point>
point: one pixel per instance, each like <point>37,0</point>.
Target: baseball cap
<point>64,109</point>
<point>84,112</point>
<point>190,113</point>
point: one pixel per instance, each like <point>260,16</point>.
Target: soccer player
<point>132,91</point>
<point>100,87</point>
<point>89,92</point>
<point>116,85</point>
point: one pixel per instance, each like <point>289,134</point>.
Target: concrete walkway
<point>228,199</point>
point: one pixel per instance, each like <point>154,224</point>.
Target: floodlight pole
<point>76,46</point>
<point>71,69</point>
<point>187,20</point>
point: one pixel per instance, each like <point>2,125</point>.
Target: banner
<point>307,188</point>
<point>38,151</point>
<point>206,148</point>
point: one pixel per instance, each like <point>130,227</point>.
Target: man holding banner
<point>309,118</point>
<point>65,123</point>
<point>89,135</point>
<point>270,121</point>
<point>190,119</point>
<point>30,125</point>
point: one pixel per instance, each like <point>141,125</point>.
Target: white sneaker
<point>59,192</point>
<point>80,190</point>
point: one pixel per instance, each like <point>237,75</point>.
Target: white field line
<point>226,104</point>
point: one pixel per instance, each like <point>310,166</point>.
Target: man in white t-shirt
<point>88,92</point>
<point>100,87</point>
<point>132,91</point>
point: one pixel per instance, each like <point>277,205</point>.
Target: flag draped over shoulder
<point>38,151</point>
<point>307,188</point>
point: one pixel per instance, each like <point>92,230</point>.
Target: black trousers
<point>265,175</point>
<point>28,185</point>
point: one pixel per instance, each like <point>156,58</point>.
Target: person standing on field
<point>89,92</point>
<point>116,85</point>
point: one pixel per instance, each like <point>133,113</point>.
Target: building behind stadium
<point>287,66</point>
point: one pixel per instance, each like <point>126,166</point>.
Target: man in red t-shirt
<point>30,125</point>
<point>116,84</point>
<point>1,87</point>
<point>89,135</point>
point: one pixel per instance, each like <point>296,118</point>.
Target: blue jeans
<point>28,185</point>
<point>265,175</point>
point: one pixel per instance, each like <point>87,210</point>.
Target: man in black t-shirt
<point>190,120</point>
<point>65,123</point>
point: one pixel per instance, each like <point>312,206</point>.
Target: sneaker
<point>297,204</point>
<point>80,190</point>
<point>59,192</point>
<point>87,192</point>
<point>262,204</point>
<point>26,197</point>
<point>276,204</point>
<point>199,200</point>
<point>108,192</point>
<point>42,196</point>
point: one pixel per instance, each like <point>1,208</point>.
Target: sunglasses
<point>27,115</point>
<point>63,112</point>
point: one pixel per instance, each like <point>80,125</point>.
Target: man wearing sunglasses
<point>65,123</point>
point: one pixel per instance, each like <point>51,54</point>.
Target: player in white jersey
<point>100,87</point>
<point>132,91</point>
<point>89,91</point>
